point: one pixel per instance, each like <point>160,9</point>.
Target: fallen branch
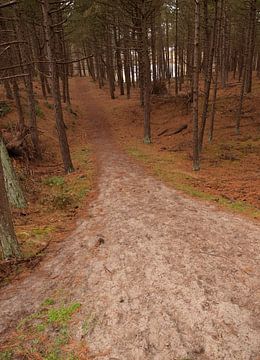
<point>180,129</point>
<point>13,76</point>
<point>163,132</point>
<point>74,61</point>
<point>10,3</point>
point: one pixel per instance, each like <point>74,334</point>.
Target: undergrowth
<point>4,108</point>
<point>163,166</point>
<point>45,335</point>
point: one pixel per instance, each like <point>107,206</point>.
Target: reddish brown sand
<point>165,276</point>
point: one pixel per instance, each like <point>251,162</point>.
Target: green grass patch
<point>54,181</point>
<point>36,233</point>
<point>63,314</point>
<point>163,167</point>
<point>44,334</point>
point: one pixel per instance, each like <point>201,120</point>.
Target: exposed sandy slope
<point>166,277</point>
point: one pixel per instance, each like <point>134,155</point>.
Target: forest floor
<point>150,273</point>
<point>54,201</point>
<point>230,165</point>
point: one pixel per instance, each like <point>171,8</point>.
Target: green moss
<point>54,181</point>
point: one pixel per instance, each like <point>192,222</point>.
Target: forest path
<point>163,276</point>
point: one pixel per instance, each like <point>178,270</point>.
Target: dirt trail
<point>164,276</point>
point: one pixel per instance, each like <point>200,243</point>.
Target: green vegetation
<point>44,334</point>
<point>161,166</point>
<point>6,355</point>
<point>48,105</point>
<point>63,314</point>
<point>35,234</point>
<point>54,181</point>
<point>4,108</point>
<point>89,324</point>
<point>39,111</point>
<point>69,191</point>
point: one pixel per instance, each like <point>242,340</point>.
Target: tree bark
<point>8,241</point>
<point>64,147</point>
<point>13,188</point>
<point>196,65</point>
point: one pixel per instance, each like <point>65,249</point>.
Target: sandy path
<point>173,279</point>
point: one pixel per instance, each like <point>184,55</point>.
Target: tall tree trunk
<point>244,74</point>
<point>8,241</point>
<point>176,52</point>
<point>196,66</point>
<point>13,188</point>
<point>120,78</point>
<point>248,87</point>
<point>146,80</point>
<point>64,147</point>
<point>127,63</point>
<point>217,65</point>
<point>18,104</point>
<point>22,33</point>
<point>153,48</point>
<point>208,77</point>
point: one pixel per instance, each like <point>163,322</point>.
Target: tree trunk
<point>196,65</point>
<point>13,188</point>
<point>64,147</point>
<point>217,65</point>
<point>8,241</point>
<point>208,77</point>
<point>147,85</point>
<point>18,105</point>
<point>176,50</point>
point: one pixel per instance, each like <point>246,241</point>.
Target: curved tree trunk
<point>14,191</point>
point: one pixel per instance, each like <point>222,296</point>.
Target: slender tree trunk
<point>18,104</point>
<point>249,74</point>
<point>196,156</point>
<point>244,74</point>
<point>64,147</point>
<point>22,33</point>
<point>119,61</point>
<point>8,90</point>
<point>127,63</point>
<point>176,52</point>
<point>208,76</point>
<point>217,57</point>
<point>146,81</point>
<point>153,49</point>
